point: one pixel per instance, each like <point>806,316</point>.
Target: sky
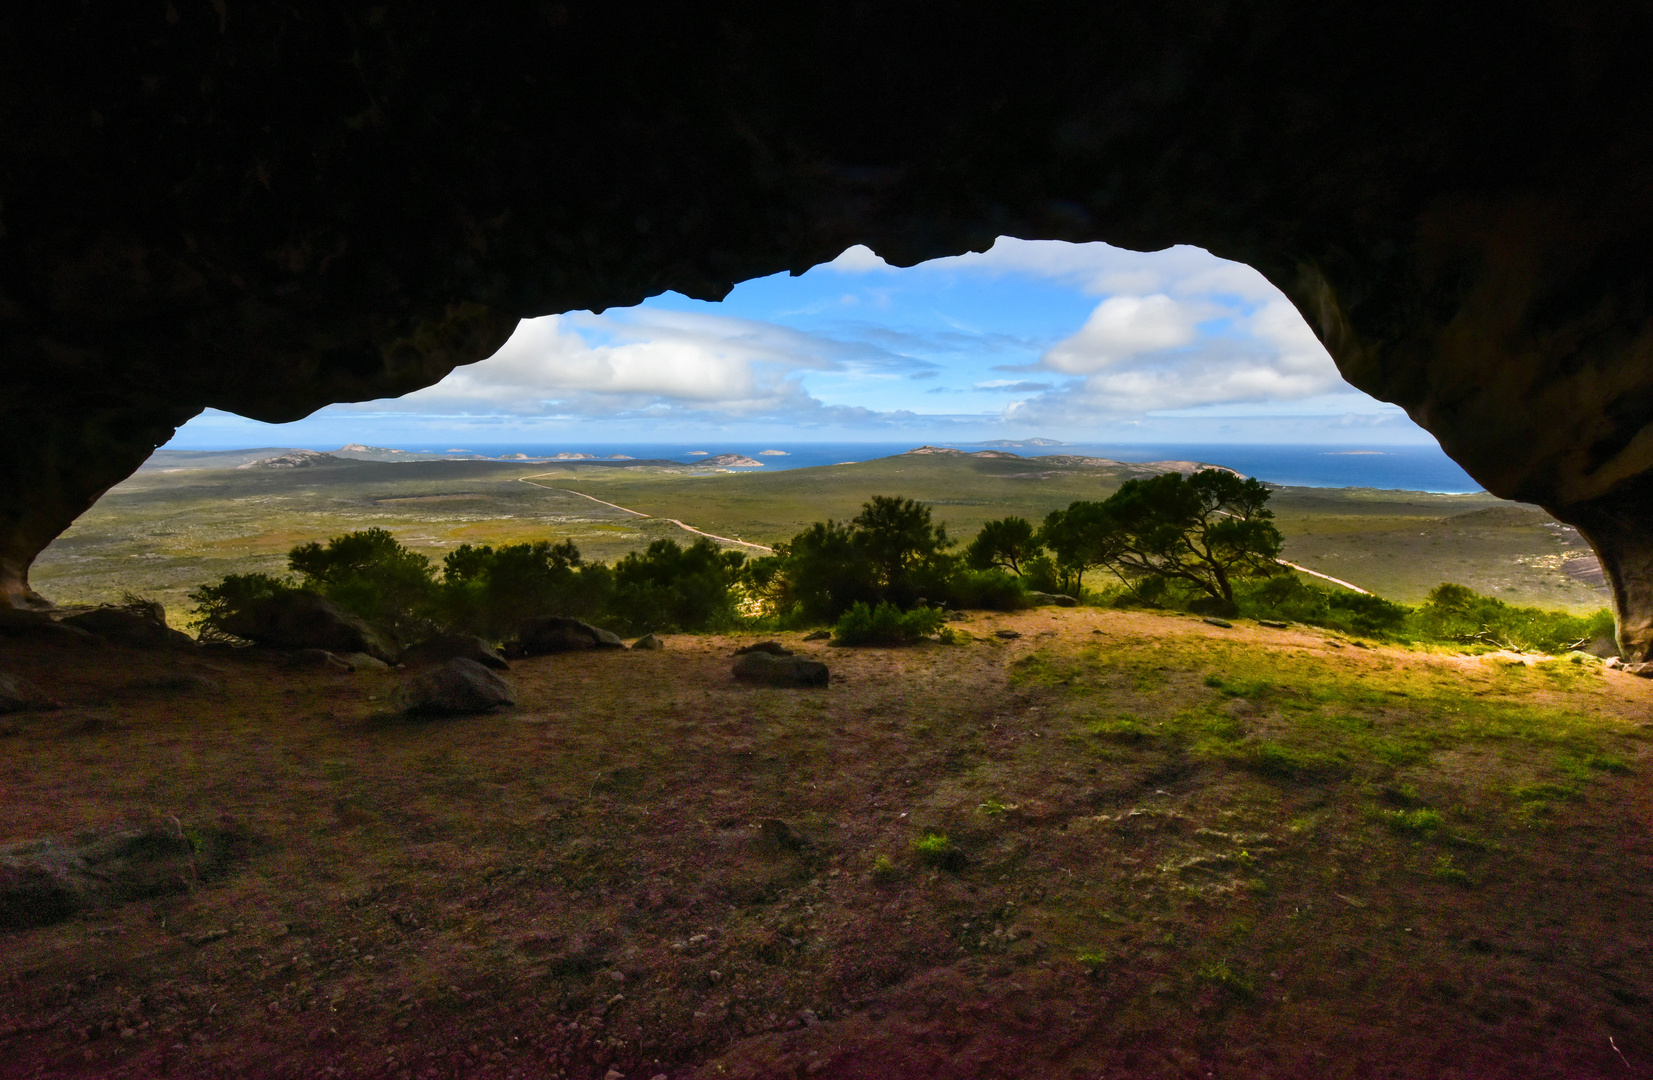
<point>1084,343</point>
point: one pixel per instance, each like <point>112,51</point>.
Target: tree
<point>370,573</point>
<point>891,552</point>
<point>668,587</point>
<point>1205,530</point>
<point>1078,538</point>
<point>899,542</point>
<point>490,591</point>
<point>1004,543</point>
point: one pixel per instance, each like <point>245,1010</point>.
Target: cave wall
<point>268,208</point>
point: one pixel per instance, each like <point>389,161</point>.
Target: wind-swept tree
<point>1205,530</point>
<point>1005,543</point>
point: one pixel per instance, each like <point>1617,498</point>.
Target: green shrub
<point>224,603</point>
<point>1289,598</point>
<point>371,574</point>
<point>934,849</point>
<point>489,592</point>
<point>669,587</point>
<point>1459,614</point>
<point>886,624</point>
<point>988,590</point>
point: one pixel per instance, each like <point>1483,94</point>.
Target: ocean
<point>1406,468</point>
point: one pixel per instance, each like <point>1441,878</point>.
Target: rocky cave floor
<point>1444,866</point>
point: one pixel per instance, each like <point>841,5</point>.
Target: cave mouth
<point>1049,341</point>
<point>264,212</point>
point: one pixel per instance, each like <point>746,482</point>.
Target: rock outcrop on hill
<point>263,210</point>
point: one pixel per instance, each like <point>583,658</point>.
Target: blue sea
<point>1405,468</point>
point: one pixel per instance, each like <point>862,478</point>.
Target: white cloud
<point>1123,327</point>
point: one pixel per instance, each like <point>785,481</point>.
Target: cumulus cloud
<point>1145,354</point>
<point>650,361</point>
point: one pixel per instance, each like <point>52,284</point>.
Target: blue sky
<point>1084,343</point>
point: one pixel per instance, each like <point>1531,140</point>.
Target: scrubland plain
<point>163,533</point>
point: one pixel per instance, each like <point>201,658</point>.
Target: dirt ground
<point>1172,849</point>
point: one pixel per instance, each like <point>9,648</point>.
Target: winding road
<point>529,480</point>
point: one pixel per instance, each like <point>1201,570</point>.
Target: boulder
<point>45,882</point>
<point>23,623</point>
<point>1059,599</point>
<point>434,650</point>
<point>455,688</point>
<point>141,625</point>
<point>648,641</point>
<point>298,619</point>
<point>537,637</point>
<point>772,670</point>
<point>16,695</point>
<point>821,635</point>
<point>773,648</point>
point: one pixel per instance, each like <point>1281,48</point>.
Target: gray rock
<point>434,650</point>
<point>1645,670</point>
<point>1273,624</point>
<point>1601,647</point>
<point>1059,599</point>
<point>18,695</point>
<point>1008,635</point>
<point>537,637</point>
<point>648,641</point>
<point>772,670</point>
<point>773,648</point>
<point>145,628</point>
<point>456,688</point>
<point>22,623</point>
<point>299,619</point>
<point>1224,623</point>
<point>819,635</point>
<point>45,882</point>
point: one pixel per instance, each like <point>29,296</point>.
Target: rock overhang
<point>268,209</point>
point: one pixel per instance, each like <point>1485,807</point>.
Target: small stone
<point>1214,621</point>
<point>1273,624</point>
<point>614,1074</point>
<point>648,642</point>
<point>819,635</point>
<point>1008,635</point>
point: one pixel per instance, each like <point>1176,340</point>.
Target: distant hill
<point>294,459</point>
<point>1064,462</point>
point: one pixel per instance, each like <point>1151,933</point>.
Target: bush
<point>886,624</point>
<point>1290,598</point>
<point>489,592</point>
<point>372,575</point>
<point>669,587</point>
<point>988,590</point>
<point>1459,614</point>
<point>221,605</point>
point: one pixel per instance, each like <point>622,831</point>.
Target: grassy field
<point>164,532</point>
<point>1115,844</point>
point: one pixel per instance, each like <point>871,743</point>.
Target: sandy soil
<point>647,869</point>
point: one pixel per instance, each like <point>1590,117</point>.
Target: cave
<point>266,209</point>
